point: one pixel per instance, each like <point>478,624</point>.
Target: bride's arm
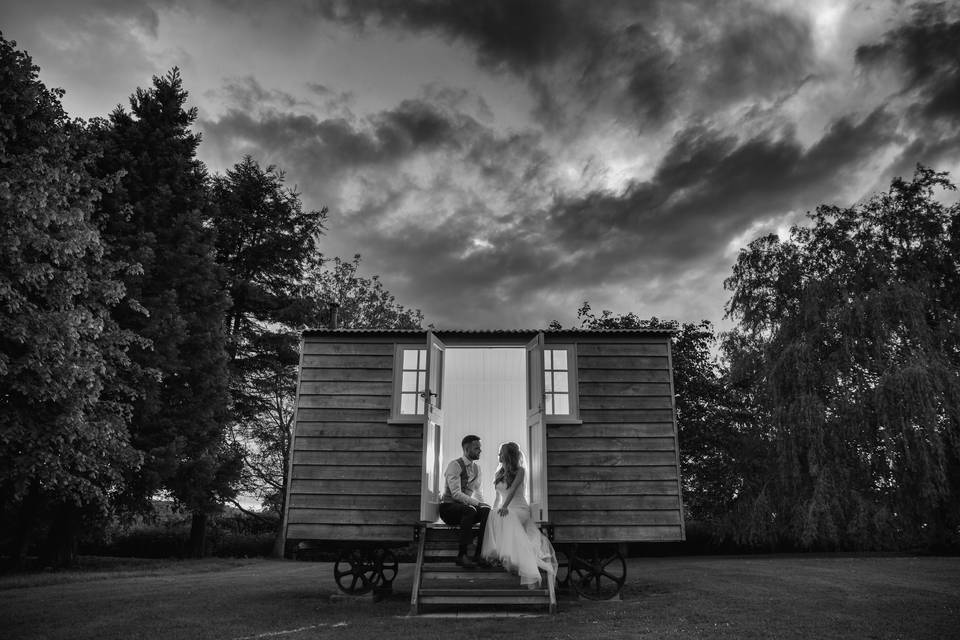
<point>511,490</point>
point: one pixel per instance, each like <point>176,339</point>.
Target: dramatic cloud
<point>927,53</point>
<point>500,161</point>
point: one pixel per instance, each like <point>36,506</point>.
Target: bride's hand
<point>503,511</point>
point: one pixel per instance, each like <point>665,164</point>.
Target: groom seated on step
<point>462,504</point>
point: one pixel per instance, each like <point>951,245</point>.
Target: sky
<point>499,162</point>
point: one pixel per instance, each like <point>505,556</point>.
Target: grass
<point>702,597</point>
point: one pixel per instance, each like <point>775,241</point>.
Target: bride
<point>511,537</point>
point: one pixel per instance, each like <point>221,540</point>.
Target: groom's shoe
<point>483,564</point>
<point>466,562</point>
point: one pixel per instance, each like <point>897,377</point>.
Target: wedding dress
<point>515,541</point>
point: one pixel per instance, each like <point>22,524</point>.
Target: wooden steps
<point>438,582</point>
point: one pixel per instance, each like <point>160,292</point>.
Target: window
<point>413,380</point>
<point>559,382</point>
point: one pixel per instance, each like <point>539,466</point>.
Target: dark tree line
<point>149,315</point>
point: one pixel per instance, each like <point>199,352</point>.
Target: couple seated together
<point>508,536</point>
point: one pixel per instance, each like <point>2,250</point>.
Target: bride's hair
<point>507,471</point>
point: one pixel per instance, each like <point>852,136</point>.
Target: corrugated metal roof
<point>491,332</point>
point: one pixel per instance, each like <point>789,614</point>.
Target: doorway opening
<point>485,393</point>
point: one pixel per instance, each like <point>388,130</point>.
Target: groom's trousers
<point>457,514</point>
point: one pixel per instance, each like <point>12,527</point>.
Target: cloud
<point>645,62</point>
<point>644,137</point>
<point>103,43</point>
<point>926,53</point>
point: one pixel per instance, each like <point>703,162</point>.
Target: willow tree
<point>855,344</point>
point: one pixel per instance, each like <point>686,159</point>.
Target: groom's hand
<point>482,505</point>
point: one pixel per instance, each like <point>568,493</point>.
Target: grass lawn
<point>697,597</point>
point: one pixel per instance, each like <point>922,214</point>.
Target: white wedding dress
<point>515,541</point>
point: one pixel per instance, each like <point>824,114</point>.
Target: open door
<point>536,431</point>
<point>432,475</point>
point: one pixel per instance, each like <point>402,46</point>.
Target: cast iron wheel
<point>355,572</point>
<point>563,568</point>
<point>597,573</point>
<point>387,567</point>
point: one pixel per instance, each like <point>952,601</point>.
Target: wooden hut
<point>601,439</point>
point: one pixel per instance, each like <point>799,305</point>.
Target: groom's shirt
<point>457,488</point>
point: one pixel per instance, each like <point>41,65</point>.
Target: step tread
<point>480,592</point>
<point>453,568</point>
<point>486,602</point>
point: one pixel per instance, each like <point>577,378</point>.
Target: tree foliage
<point>175,299</point>
<point>266,243</point>
<point>63,442</point>
<point>363,301</point>
<point>850,329</point>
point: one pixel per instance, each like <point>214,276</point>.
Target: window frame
<point>395,416</point>
<point>573,388</point>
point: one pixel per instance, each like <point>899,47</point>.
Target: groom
<point>462,504</point>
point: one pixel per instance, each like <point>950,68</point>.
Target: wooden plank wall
<point>616,476</point>
<point>354,476</point>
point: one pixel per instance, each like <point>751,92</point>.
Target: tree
<point>266,243</point>
<point>852,330</point>
<point>64,443</point>
<point>363,302</point>
<point>176,299</point>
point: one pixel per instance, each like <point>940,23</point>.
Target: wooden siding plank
<point>360,429</point>
<point>566,473</point>
<point>623,375</point>
<point>357,458</point>
<point>594,403</point>
<point>308,443</point>
<point>625,415</point>
<point>351,533</point>
<point>610,458</point>
<point>354,516</point>
<point>323,501</point>
<point>318,472</point>
<point>624,362</point>
<point>622,349</point>
<point>600,488</point>
<point>342,415</point>
<point>344,402</point>
<point>606,444</point>
<point>348,362</point>
<point>347,388</point>
<point>624,388</point>
<point>649,430</point>
<point>356,487</point>
<point>366,375</point>
<point>613,503</point>
<point>311,347</point>
<point>614,518</point>
<point>648,533</point>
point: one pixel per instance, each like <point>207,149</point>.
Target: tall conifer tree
<point>266,243</point>
<point>176,300</point>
